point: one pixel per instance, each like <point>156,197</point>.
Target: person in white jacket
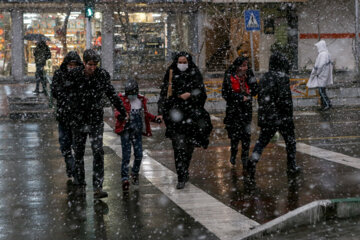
<point>322,74</point>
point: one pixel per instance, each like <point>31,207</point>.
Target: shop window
<point>140,43</point>
<point>5,44</point>
<point>50,26</point>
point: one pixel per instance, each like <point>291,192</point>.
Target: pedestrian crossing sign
<point>252,20</point>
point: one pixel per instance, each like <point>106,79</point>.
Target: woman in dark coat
<point>60,91</point>
<point>181,105</point>
<point>238,88</point>
<point>275,112</point>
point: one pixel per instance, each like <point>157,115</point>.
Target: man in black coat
<point>275,112</point>
<point>41,54</point>
<point>60,91</point>
<point>90,84</point>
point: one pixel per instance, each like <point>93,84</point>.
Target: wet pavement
<point>276,194</point>
<point>37,202</point>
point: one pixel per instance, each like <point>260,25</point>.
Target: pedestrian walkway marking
<point>327,155</point>
<point>223,221</point>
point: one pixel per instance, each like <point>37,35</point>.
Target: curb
<point>309,214</point>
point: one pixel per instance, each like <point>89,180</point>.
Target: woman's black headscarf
<point>235,65</point>
<point>278,62</point>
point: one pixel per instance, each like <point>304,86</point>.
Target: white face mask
<point>132,97</point>
<point>182,67</point>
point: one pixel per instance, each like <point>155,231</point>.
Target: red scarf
<point>239,84</point>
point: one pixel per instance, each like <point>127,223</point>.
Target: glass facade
<point>140,43</point>
<point>5,44</point>
<point>50,25</point>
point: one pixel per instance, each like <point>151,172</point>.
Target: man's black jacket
<point>87,96</point>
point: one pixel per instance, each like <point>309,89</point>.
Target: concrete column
<point>293,38</point>
<point>170,20</point>
<point>194,36</point>
<point>201,45</point>
<point>107,48</point>
<point>17,45</point>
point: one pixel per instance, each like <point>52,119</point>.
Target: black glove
<point>158,120</point>
<point>121,117</point>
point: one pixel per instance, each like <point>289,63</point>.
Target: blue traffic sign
<point>252,20</point>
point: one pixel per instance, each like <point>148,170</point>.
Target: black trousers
<point>266,134</point>
<point>243,135</point>
<point>183,150</point>
<point>95,133</point>
<point>40,77</point>
<point>325,101</point>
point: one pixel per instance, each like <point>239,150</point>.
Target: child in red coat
<point>131,131</point>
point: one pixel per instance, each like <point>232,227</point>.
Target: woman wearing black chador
<point>181,105</point>
<point>238,88</point>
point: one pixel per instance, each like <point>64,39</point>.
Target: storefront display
<point>50,26</point>
<point>5,44</point>
<point>143,46</point>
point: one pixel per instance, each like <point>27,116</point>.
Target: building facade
<point>140,38</point>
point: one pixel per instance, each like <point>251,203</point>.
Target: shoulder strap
<point>169,92</point>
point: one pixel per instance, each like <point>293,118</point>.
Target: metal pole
<point>357,36</point>
<point>88,33</point>
<point>252,51</point>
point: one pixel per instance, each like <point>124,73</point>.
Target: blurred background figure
<point>41,54</point>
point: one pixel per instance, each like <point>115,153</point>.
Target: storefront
<point>140,44</point>
<point>50,25</point>
<point>5,44</point>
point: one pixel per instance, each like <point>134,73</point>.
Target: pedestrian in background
<point>238,88</point>
<point>41,54</point>
<point>60,91</point>
<point>322,74</point>
<point>275,113</point>
<point>90,84</point>
<point>131,131</point>
<point>181,105</point>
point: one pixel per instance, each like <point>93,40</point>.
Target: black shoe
<point>125,185</point>
<point>180,185</point>
<point>325,108</point>
<point>99,193</point>
<point>135,179</point>
<point>293,169</point>
<point>36,92</point>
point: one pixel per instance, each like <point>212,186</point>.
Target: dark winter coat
<point>275,99</point>
<point>238,112</point>
<point>185,116</point>
<point>87,96</point>
<point>60,87</point>
<point>41,53</point>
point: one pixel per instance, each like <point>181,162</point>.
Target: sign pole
<point>88,33</point>
<point>252,51</point>
<point>252,23</point>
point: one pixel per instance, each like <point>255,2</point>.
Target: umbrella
<point>36,37</point>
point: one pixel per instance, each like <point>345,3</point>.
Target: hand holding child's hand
<point>159,119</point>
